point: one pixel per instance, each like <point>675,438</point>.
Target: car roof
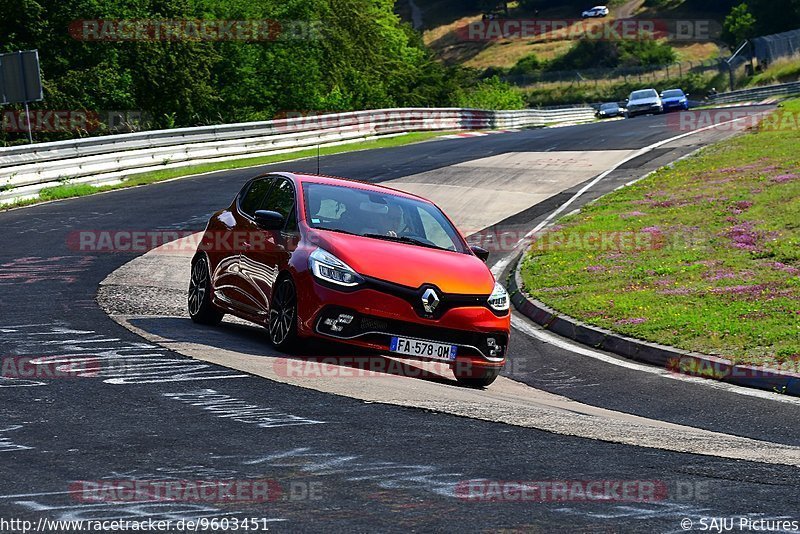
<point>348,182</point>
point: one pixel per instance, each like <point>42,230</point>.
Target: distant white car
<point>597,11</point>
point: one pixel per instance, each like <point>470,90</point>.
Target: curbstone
<point>669,358</point>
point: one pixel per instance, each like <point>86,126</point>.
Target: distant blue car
<point>674,99</point>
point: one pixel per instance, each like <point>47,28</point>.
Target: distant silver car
<point>643,102</point>
<point>611,109</point>
<point>596,11</point>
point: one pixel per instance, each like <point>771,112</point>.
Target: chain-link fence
<point>626,74</point>
<point>768,48</point>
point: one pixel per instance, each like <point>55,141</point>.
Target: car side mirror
<point>481,252</point>
<point>269,220</point>
<point>687,95</point>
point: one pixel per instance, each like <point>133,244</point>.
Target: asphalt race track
<point>145,412</point>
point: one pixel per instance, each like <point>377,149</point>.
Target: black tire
<point>282,326</point>
<point>201,309</point>
<point>478,378</point>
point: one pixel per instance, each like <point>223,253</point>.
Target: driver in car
<point>393,221</point>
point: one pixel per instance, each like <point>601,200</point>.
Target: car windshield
<point>379,215</point>
<point>672,93</point>
<point>608,106</point>
<point>640,95</point>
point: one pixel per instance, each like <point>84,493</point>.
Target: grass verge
<point>783,70</point>
<point>703,255</point>
<point>68,190</point>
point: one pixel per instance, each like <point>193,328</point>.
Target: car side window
<point>252,199</point>
<point>291,223</point>
<point>280,199</point>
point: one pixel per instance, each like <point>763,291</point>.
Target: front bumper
<point>642,110</point>
<point>675,105</point>
<point>369,318</point>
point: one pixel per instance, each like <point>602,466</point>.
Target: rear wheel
<point>201,309</point>
<point>283,315</point>
<point>479,377</point>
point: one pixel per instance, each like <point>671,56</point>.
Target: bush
<point>591,53</point>
<point>527,65</point>
<point>490,94</point>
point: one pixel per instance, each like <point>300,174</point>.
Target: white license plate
<point>423,349</point>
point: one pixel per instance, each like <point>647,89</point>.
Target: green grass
<point>70,190</point>
<point>781,71</point>
<point>703,255</point>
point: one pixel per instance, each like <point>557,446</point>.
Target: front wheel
<point>479,377</point>
<point>201,309</point>
<point>283,315</point>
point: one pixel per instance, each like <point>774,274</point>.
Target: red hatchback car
<point>313,256</point>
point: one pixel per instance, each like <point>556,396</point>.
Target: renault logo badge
<point>430,300</point>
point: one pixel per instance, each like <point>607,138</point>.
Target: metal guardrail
<point>25,170</point>
<point>755,93</point>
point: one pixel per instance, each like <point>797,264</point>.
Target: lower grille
<point>344,323</point>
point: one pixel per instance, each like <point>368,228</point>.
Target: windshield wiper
<point>404,239</point>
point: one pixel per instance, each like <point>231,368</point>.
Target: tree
<point>329,55</point>
<point>738,26</point>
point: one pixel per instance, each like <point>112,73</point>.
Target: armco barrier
<point>756,93</point>
<point>25,170</point>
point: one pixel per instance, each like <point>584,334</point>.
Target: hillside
<point>441,20</point>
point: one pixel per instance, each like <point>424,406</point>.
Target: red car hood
<point>409,265</point>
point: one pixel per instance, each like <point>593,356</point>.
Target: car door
<point>270,250</point>
<point>234,284</point>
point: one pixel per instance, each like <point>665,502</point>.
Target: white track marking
<point>527,328</point>
<point>501,265</point>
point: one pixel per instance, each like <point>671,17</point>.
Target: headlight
<point>329,268</point>
<point>498,300</point>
